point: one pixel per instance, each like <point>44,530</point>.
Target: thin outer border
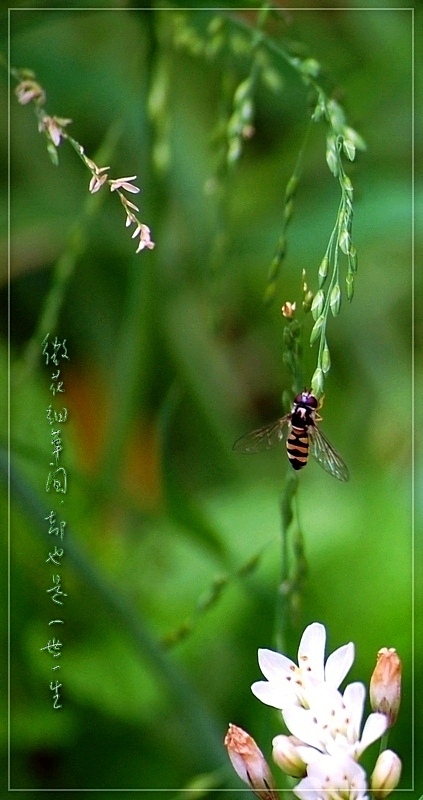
<point>217,9</point>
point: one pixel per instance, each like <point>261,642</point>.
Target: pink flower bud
<point>385,684</point>
<point>249,763</point>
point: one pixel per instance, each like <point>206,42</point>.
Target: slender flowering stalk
<point>99,176</point>
<point>54,128</point>
<point>341,140</point>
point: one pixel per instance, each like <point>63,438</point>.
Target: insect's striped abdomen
<point>297,447</point>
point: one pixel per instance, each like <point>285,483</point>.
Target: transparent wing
<point>327,457</point>
<point>263,438</point>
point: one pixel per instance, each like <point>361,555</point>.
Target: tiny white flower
<point>145,240</point>
<point>332,722</point>
<point>124,183</point>
<point>330,778</point>
<point>288,684</point>
<point>53,126</point>
<point>97,181</point>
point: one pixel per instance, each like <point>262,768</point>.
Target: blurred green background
<point>173,543</point>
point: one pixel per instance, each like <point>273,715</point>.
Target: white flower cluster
<point>326,734</point>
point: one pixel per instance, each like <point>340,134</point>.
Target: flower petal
<point>273,665</point>
<point>374,727</point>
<point>311,652</point>
<point>354,697</point>
<point>271,694</point>
<point>338,664</point>
<point>299,722</point>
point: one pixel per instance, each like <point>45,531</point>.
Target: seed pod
<point>332,155</point>
<point>346,183</point>
<point>326,359</point>
<point>316,329</point>
<point>335,300</point>
<point>354,137</point>
<point>307,301</point>
<point>349,280</point>
<point>317,304</point>
<point>349,149</point>
<point>317,383</point>
<point>352,259</point>
<point>336,115</point>
<point>344,241</point>
<point>323,270</point>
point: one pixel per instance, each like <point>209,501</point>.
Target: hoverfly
<point>304,437</point>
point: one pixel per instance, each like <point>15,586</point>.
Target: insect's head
<point>308,399</point>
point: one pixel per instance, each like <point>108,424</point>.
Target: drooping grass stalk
<point>65,266</point>
<point>328,300</point>
<point>29,91</point>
